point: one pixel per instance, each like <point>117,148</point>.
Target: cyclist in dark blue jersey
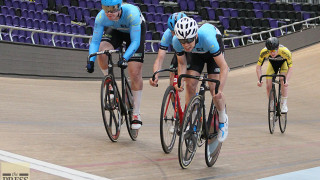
<point>117,23</point>
<point>206,47</point>
<point>166,41</point>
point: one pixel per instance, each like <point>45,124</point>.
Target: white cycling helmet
<point>186,28</point>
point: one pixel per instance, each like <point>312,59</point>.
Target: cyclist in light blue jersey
<point>117,23</point>
<point>206,47</point>
<point>166,41</point>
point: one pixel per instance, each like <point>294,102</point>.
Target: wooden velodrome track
<point>59,122</point>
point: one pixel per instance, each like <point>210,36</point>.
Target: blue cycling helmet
<point>111,2</point>
<point>172,20</point>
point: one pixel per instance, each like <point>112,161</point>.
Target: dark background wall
<point>43,61</point>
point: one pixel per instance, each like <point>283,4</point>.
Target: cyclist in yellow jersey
<point>279,58</point>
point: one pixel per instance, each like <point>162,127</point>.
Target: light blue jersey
<point>166,40</point>
<point>129,22</point>
<point>206,42</point>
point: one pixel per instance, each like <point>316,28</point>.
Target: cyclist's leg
<point>284,89</point>
<point>196,67</point>
<point>174,64</point>
<point>112,41</point>
<point>135,73</point>
<point>270,71</point>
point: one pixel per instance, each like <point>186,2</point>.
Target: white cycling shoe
<point>284,108</point>
<point>223,130</point>
<point>136,122</point>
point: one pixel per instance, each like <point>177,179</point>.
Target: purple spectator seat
<point>148,35</point>
<point>15,38</point>
<point>4,9</point>
<point>16,4</point>
<point>16,21</point>
<point>74,29</point>
<point>85,12</point>
<point>197,18</point>
<point>156,2</point>
<point>79,14</point>
<point>37,15</point>
<point>22,39</point>
<point>39,7</point>
<point>9,20</point>
<point>31,6</point>
<point>147,2</point>
<point>60,18</point>
<point>28,40</point>
<point>23,22</point>
<point>226,12</point>
<point>246,30</point>
<point>265,6</point>
<point>2,19</point>
<point>214,4</point>
<point>8,3</point>
<point>164,18</point>
<point>24,5</point>
<point>36,23</point>
<point>82,30</point>
<point>160,9</point>
<point>156,47</point>
<point>72,13</point>
<point>150,17</point>
<point>191,5</point>
<point>157,17</point>
<point>90,4</point>
<point>97,5</point>
<point>224,21</point>
<point>58,2</point>
<point>257,5</point>
<point>151,8</point>
<point>49,26</point>
<point>55,27</point>
<point>45,16</point>
<point>67,19</point>
<point>62,28</point>
<point>233,12</point>
<point>83,3</point>
<point>297,7</point>
<point>43,25</point>
<point>11,11</point>
<point>159,27</point>
<point>211,14</point>
<point>259,13</point>
<point>148,47</point>
<point>66,3</point>
<point>183,5</point>
<point>68,29</point>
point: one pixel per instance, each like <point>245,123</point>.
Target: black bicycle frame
<point>202,90</point>
<point>124,79</point>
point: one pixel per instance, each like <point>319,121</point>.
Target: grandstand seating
<point>77,17</point>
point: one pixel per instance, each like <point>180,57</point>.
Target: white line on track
<point>306,174</point>
<point>48,167</point>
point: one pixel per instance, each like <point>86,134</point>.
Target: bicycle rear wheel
<point>272,115</point>
<point>168,125</point>
<point>213,146</point>
<point>190,132</point>
<point>133,133</point>
<point>110,108</point>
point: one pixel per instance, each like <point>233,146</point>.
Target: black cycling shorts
<point>116,38</point>
<point>174,61</point>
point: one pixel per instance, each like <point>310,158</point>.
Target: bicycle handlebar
<point>162,70</point>
<point>107,52</point>
<point>273,76</point>
<point>200,78</point>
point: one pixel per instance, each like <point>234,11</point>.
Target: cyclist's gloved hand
<point>90,67</point>
<point>123,63</point>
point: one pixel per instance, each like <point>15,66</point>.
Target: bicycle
<point>171,113</point>
<point>274,107</point>
<point>113,104</point>
<point>196,129</point>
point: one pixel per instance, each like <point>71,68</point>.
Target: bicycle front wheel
<point>190,132</point>
<point>283,122</point>
<point>213,146</point>
<point>133,133</point>
<point>272,115</point>
<point>110,107</point>
<point>168,125</point>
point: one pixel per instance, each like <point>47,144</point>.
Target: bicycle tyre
<point>272,110</point>
<point>283,122</point>
<point>167,120</point>
<point>110,108</point>
<point>212,146</point>
<point>190,132</point>
<point>133,133</point>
